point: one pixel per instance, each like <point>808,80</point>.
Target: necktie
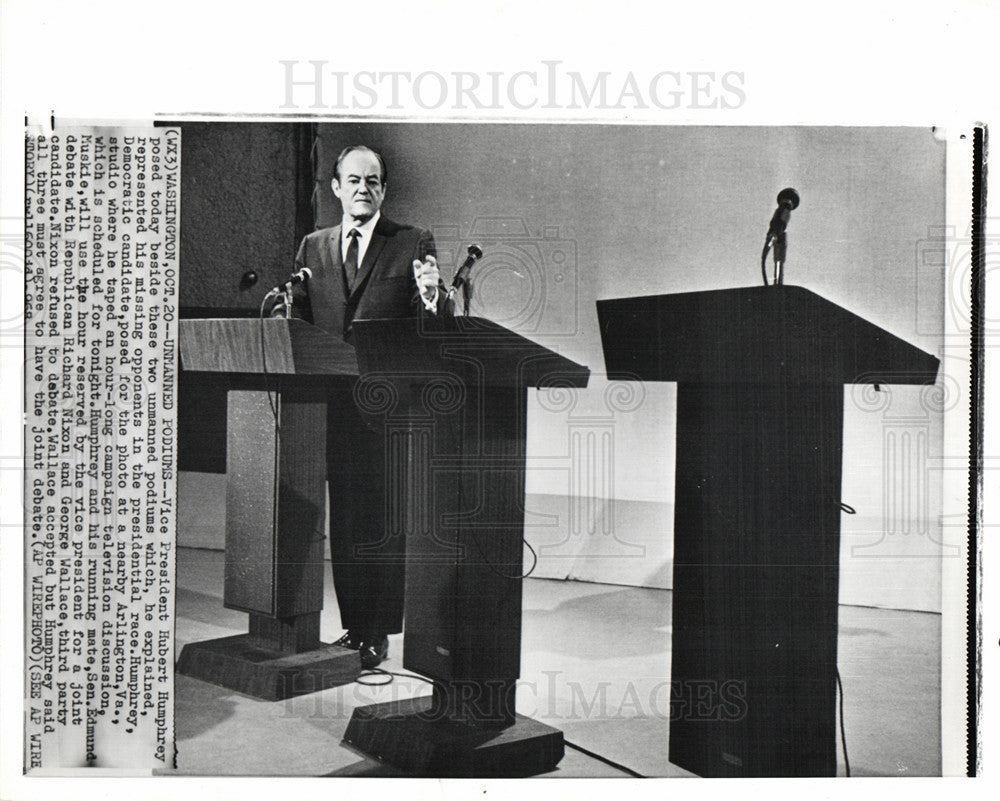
<point>351,259</point>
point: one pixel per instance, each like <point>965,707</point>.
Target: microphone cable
<point>263,364</point>
<point>389,675</point>
<point>605,760</point>
<point>763,260</point>
<point>846,508</point>
<point>843,735</point>
<point>496,569</point>
<point>274,411</point>
<point>298,277</point>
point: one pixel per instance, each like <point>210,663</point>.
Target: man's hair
<point>351,149</point>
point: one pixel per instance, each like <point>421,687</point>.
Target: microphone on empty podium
<point>788,200</point>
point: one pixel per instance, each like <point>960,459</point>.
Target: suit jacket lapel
<point>337,260</point>
<point>371,256</point>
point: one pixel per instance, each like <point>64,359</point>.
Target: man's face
<point>359,187</point>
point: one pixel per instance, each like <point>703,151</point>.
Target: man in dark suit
<point>367,267</point>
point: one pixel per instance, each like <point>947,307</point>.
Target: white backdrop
<point>569,214</point>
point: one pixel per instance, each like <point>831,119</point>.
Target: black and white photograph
<point>643,500</point>
<point>383,446</point>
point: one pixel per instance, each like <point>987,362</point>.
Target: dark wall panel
<point>246,193</point>
<point>245,205</point>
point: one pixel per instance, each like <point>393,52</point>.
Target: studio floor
<point>595,663</point>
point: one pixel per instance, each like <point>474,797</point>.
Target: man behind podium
<point>368,267</point>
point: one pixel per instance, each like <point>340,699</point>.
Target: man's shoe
<point>374,649</point>
<point>350,640</point>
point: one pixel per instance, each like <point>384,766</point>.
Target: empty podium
<point>278,374</point>
<point>451,394</point>
<point>761,374</point>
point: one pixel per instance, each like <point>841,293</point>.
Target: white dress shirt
<point>364,239</point>
<point>365,230</point>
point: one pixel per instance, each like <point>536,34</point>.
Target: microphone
<point>788,199</point>
<point>462,276</point>
<point>299,277</point>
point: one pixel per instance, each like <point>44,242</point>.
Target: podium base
<point>403,734</point>
<point>240,664</point>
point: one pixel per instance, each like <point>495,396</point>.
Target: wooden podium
<point>278,372</point>
<point>761,374</point>
<point>452,395</point>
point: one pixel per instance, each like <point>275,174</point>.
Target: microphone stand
<point>466,297</point>
<point>780,251</point>
<point>462,278</point>
<point>763,260</point>
<point>788,200</point>
<point>286,297</point>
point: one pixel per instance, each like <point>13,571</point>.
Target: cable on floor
<point>495,569</point>
<point>388,675</point>
<point>605,760</point>
<point>843,735</point>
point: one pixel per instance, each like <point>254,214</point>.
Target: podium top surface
<point>292,347</point>
<point>758,334</point>
<point>470,345</point>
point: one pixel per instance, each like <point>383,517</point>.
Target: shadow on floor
<point>199,706</point>
<point>625,622</point>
